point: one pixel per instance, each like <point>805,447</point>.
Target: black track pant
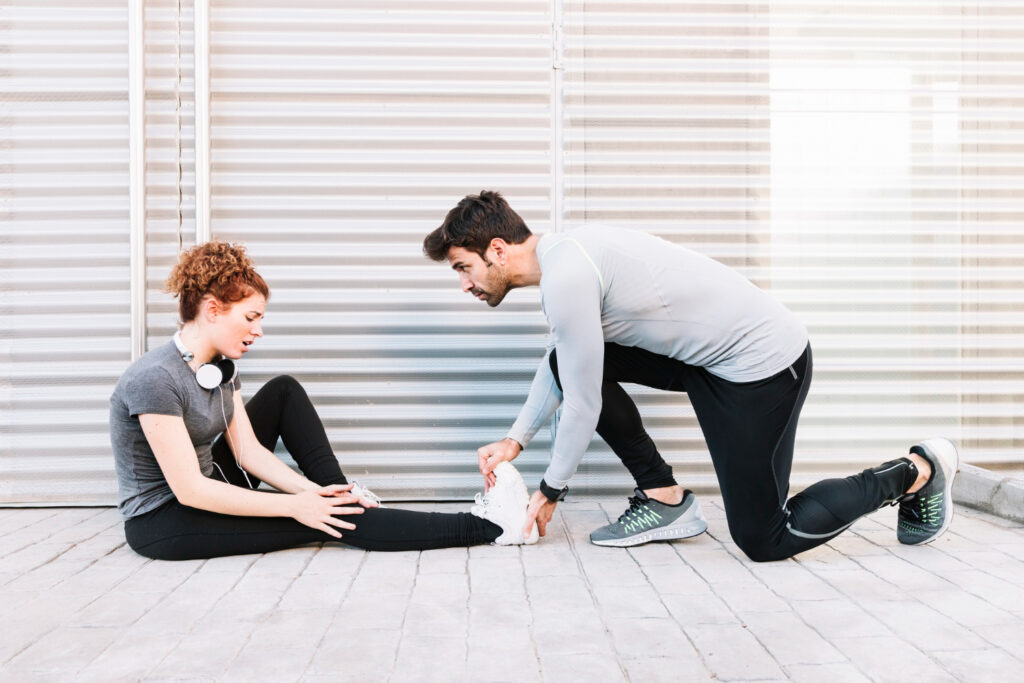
<point>281,409</point>
<point>750,429</point>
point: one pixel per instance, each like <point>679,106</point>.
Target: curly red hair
<point>215,268</point>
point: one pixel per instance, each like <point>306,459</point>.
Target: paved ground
<point>76,604</point>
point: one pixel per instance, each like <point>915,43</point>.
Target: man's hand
<point>539,511</point>
<point>494,453</point>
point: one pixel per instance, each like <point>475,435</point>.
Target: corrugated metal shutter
<point>860,160</point>
<point>341,134</point>
<point>64,262</point>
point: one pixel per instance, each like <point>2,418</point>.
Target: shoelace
<point>634,503</point>
<point>361,491</point>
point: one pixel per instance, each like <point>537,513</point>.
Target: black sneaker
<point>926,513</point>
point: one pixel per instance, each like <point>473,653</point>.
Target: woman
<point>187,494</point>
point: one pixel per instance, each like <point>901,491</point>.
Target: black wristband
<point>552,494</point>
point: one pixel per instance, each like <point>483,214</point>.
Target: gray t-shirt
<point>603,284</point>
<point>161,383</point>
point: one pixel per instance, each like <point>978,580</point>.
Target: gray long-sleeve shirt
<point>603,284</point>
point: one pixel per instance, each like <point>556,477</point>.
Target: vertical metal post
<point>137,176</point>
<point>557,116</point>
<point>202,124</point>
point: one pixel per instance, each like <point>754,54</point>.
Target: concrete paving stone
<point>789,639</point>
<point>825,673</point>
<point>294,630</point>
<point>930,558</point>
<point>1014,550</point>
<point>130,657</point>
<point>30,556</point>
<point>114,609</point>
<point>502,654</point>
<point>207,650</point>
<point>333,558</point>
<point>373,611</point>
<point>699,609</point>
<point>502,609</point>
<point>979,665</point>
<point>656,554</point>
<point>1007,595</point>
<point>840,618</point>
<point>629,601</point>
<point>853,545</point>
<point>444,561</point>
<point>891,660</point>
<point>431,658</point>
<point>715,564</point>
<point>659,637</point>
<point>964,608</point>
<point>572,633</point>
<point>95,579</point>
<point>161,577</point>
<point>251,605</point>
<point>190,601</point>
<point>995,563</point>
<point>545,560</point>
<point>257,664</point>
<point>791,581</point>
<point>46,576</point>
<point>921,626</point>
<point>384,579</point>
<point>823,559</point>
<point>731,652</point>
<point>496,575</point>
<point>617,568</point>
<point>581,668</point>
<point>666,669</point>
<point>750,598</point>
<point>66,650</point>
<point>353,652</point>
<point>494,552</point>
<point>901,573</point>
<point>585,521</point>
<point>1008,637</point>
<point>17,519</point>
<point>859,584</point>
<point>978,528</point>
<point>288,562</point>
<point>675,579</point>
<point>91,523</point>
<point>316,591</point>
<point>559,593</point>
<point>444,616</point>
<point>432,587</point>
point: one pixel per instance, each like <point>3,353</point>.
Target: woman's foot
<point>505,504</point>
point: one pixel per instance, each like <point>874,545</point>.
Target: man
<point>625,306</point>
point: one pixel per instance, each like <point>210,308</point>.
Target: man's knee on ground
<point>759,547</point>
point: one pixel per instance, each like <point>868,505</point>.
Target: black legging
<point>750,429</point>
<point>282,409</point>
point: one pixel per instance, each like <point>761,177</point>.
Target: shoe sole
<point>688,530</point>
<point>949,464</point>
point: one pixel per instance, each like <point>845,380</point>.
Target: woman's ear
<point>211,308</point>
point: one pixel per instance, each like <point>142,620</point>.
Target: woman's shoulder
<point>153,367</point>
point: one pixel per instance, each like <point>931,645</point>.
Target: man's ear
<point>500,249</point>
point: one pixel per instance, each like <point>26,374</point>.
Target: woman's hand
<point>316,508</point>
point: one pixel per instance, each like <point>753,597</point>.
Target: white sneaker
<point>505,504</point>
<point>366,494</point>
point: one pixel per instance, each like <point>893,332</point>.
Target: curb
<point>985,490</point>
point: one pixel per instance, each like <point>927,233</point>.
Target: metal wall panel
<point>64,296</point>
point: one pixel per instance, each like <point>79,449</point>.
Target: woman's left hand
<point>344,491</point>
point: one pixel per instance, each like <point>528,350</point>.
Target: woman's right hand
<point>316,508</point>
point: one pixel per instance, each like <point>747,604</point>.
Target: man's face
<point>487,280</point>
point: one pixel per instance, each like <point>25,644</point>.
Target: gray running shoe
<point>650,520</point>
<point>926,513</point>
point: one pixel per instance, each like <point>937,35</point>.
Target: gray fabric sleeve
<point>571,292</point>
<point>154,391</point>
<point>544,398</point>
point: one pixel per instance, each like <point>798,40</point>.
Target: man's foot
<point>360,491</point>
<point>505,504</point>
<point>650,520</point>
<point>927,512</point>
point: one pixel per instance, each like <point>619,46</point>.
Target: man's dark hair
<point>473,223</point>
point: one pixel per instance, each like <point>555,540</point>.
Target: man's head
<point>474,238</point>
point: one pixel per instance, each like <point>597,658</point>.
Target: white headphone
<point>209,375</point>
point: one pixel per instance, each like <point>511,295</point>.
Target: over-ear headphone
<point>209,375</point>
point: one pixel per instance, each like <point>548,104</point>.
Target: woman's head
<point>217,270</point>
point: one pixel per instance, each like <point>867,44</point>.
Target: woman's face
<point>238,325</point>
